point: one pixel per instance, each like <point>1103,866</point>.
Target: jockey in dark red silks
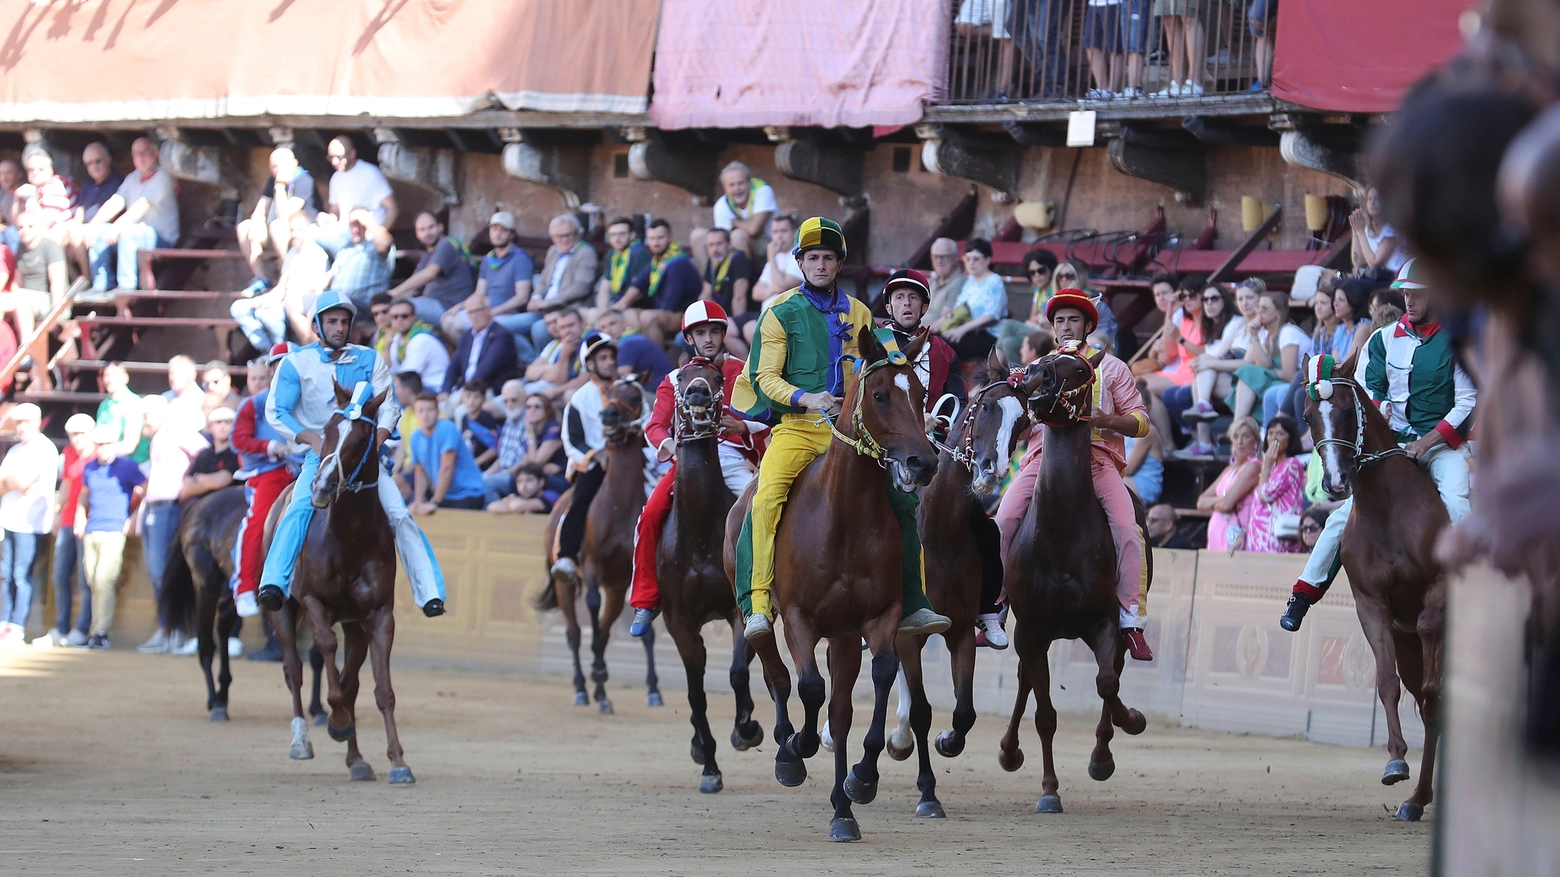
<point>704,327</point>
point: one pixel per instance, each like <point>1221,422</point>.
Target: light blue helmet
<point>330,299</point>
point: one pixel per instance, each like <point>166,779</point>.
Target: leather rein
<point>1065,399</point>
<point>696,423</point>
<point>1357,447</point>
<point>864,444</point>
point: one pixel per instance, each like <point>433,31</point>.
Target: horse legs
<point>745,733</point>
<point>961,649</point>
<point>566,604</point>
<point>339,723</point>
<point>809,686</point>
<point>1039,668</point>
<point>225,625</point>
<point>205,619</point>
<point>912,694</point>
<point>1377,623</point>
<point>1110,654</point>
<point>598,647</point>
<point>652,681</point>
<point>382,630</point>
<point>844,665</point>
<point>1431,625</point>
<point>317,664</point>
<point>690,645</point>
<point>351,666</point>
<point>284,622</point>
<point>790,770</point>
<point>1009,755</point>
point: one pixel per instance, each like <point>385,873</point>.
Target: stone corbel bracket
<point>199,164</point>
<point>1305,144</point>
<point>994,162</point>
<point>436,169</point>
<point>562,168</point>
<point>1172,158</point>
<point>838,169</point>
<point>690,168</point>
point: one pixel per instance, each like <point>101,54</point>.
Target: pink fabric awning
<point>752,63</point>
<point>118,60</point>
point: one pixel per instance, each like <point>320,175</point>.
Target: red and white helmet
<point>703,312</point>
<point>279,351</point>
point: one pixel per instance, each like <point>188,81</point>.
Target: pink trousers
<point>1112,492</point>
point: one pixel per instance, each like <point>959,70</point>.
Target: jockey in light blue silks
<point>302,399</point>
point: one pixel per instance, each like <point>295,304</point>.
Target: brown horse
<point>838,556</point>
<point>954,525</point>
<point>1389,552</point>
<point>345,574</point>
<point>694,586</point>
<point>1060,572</point>
<point>607,554</point>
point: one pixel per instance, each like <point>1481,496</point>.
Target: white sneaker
<point>12,635</point>
<point>246,604</point>
<point>758,627</point>
<point>157,645</point>
<point>50,640</point>
<point>189,646</point>
<point>1191,89</point>
<point>76,639</point>
<point>235,647</point>
<point>990,627</point>
<point>1172,90</point>
<point>1129,93</point>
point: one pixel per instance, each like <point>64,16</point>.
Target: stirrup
<point>758,627</point>
<point>1299,604</point>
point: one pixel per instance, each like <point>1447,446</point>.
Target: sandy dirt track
<point>108,765</point>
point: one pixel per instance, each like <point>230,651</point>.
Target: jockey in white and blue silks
<point>302,399</point>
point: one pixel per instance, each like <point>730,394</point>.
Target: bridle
<point>1356,447</point>
<point>345,482</point>
<point>1064,399</point>
<point>964,452</point>
<point>694,423</point>
<point>627,425</point>
<point>864,444</point>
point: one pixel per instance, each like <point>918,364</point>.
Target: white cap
<point>218,415</point>
<point>504,218</point>
<point>26,411</point>
<point>79,423</point>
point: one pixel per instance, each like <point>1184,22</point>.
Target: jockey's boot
<point>566,570</point>
<point>1137,644</point>
<point>924,621</point>
<point>1299,604</point>
<point>642,620</point>
<point>245,603</point>
<point>758,627</point>
<point>270,598</point>
<point>433,608</point>
<point>989,632</point>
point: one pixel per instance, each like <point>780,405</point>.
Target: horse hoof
<point>604,707</point>
<point>710,783</point>
<point>655,699</point>
<point>898,754</point>
<point>401,776</point>
<point>790,773</point>
<point>1049,804</point>
<point>580,699</point>
<point>302,751</point>
<point>1136,723</point>
<point>696,752</point>
<point>930,810</point>
<point>340,735</point>
<point>219,714</point>
<point>1396,772</point>
<point>949,744</point>
<point>1010,761</point>
<point>844,830</point>
<point>1101,772</point>
<point>743,744</point>
<point>362,772</point>
<point>319,718</point>
<point>858,791</point>
<point>1408,811</point>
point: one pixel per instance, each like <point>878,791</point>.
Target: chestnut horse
<point>838,555</point>
<point>1060,572</point>
<point>346,575</point>
<point>952,518</point>
<point>607,554</point>
<point>1389,553</point>
<point>694,586</point>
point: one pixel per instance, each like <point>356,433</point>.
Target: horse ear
<point>917,343</point>
<point>343,395</point>
<point>996,364</point>
<point>1346,368</point>
<point>872,349</point>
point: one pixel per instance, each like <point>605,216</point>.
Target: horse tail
<point>176,602</point>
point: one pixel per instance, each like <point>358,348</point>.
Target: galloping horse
<point>694,586</point>
<point>951,513</point>
<point>207,531</point>
<point>346,574</point>
<point>1060,572</point>
<point>1389,552</point>
<point>607,554</point>
<point>838,556</point>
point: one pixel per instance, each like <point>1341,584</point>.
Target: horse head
<point>351,460</point>
<point>622,410</point>
<point>884,405</point>
<point>991,423</point>
<point>1335,412</point>
<point>700,396</point>
<point>1059,386</point>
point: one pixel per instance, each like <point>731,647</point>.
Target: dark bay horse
<point>207,530</point>
<point>838,556</point>
<point>345,574</point>
<point>952,520</point>
<point>1060,572</point>
<point>607,554</point>
<point>694,586</point>
<point>1389,553</point>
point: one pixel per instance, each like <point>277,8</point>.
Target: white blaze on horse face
<point>1332,467</point>
<point>903,383</point>
<point>1012,409</point>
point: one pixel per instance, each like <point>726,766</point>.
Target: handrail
<point>41,331</point>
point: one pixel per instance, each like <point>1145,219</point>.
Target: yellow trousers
<point>796,441</point>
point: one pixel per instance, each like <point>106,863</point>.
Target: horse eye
<point>879,397</point>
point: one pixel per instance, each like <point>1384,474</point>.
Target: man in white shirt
<point>264,318</point>
<point>143,214</point>
<point>27,478</point>
<point>746,208</point>
<point>780,269</point>
<point>353,184</point>
<point>414,347</point>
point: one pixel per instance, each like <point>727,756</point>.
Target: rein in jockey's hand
<point>314,440</point>
<point>1423,445</point>
<point>732,424</point>
<point>821,403</point>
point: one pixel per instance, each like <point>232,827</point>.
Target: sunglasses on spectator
<point>1034,271</point>
<point>1311,528</point>
<point>403,316</point>
<point>945,255</point>
<point>1183,295</point>
<point>532,406</point>
<point>1210,299</point>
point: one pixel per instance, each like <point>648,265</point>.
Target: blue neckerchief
<point>833,302</point>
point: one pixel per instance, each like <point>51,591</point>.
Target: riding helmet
<point>818,232</point>
<point>593,341</point>
<point>1073,298</point>
<point>908,278</point>
<point>1410,277</point>
<point>703,312</point>
<point>329,300</point>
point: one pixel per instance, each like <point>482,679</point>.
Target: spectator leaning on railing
<point>101,184</point>
<point>143,214</point>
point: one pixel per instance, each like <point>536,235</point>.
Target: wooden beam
<point>1224,271</point>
